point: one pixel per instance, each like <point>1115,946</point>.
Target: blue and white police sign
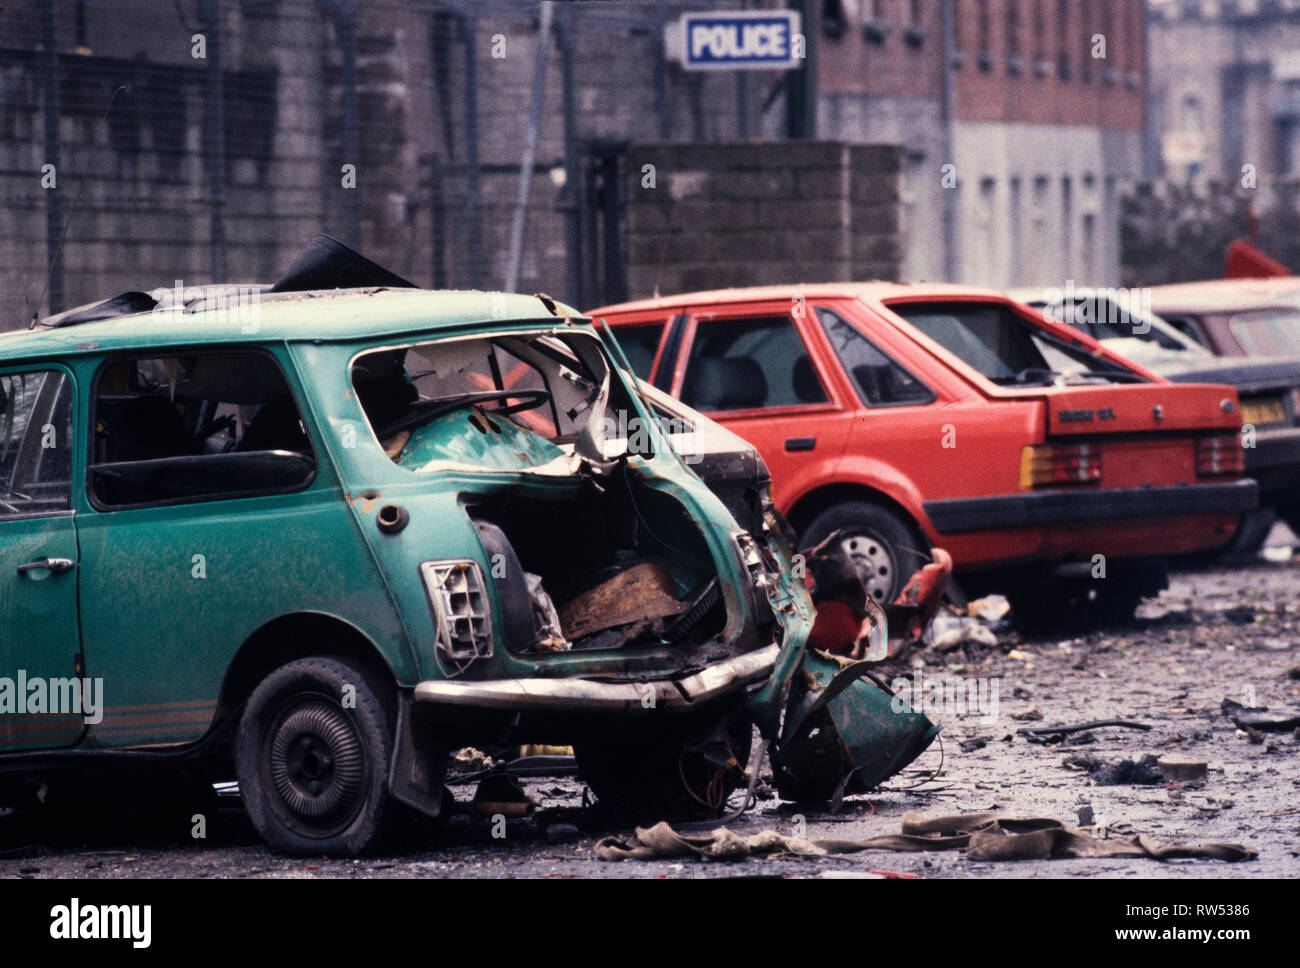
<point>739,40</point>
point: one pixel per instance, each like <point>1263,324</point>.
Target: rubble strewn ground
<point>1225,633</point>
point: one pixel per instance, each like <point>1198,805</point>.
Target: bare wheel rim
<point>874,560</point>
<point>317,765</point>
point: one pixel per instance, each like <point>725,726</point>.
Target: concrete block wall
<point>722,215</point>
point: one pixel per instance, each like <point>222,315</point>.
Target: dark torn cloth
<point>984,836</point>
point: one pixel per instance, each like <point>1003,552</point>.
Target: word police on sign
<point>741,40</point>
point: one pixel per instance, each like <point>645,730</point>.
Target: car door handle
<point>800,445</point>
<point>56,566</point>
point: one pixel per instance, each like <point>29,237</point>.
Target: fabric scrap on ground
<point>984,837</point>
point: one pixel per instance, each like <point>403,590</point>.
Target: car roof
<point>1225,295</point>
<point>314,315</point>
<point>866,291</point>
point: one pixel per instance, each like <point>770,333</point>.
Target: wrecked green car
<point>332,534</point>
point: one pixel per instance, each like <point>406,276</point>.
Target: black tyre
<point>1253,532</point>
<point>662,770</point>
<point>884,546</point>
<point>313,766</point>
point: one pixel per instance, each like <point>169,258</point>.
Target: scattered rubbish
<point>1016,655</point>
<point>991,609</point>
<point>1253,718</point>
<point>536,750</point>
<point>562,833</point>
<point>1141,772</point>
<point>1032,714</point>
<point>844,732</point>
<point>501,794</point>
<point>984,837</point>
<point>1278,554</point>
<point>975,743</point>
<point>1183,769</point>
<point>469,759</point>
<point>1240,614</point>
<point>951,632</point>
<point>850,622</point>
<point>1057,734</point>
<point>1293,673</point>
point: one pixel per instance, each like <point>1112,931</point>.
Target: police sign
<point>742,40</point>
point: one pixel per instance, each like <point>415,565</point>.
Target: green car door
<point>209,515</point>
<point>40,698</point>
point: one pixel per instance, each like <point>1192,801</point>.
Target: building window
<point>914,33</point>
<point>875,20</point>
<point>834,22</point>
<point>984,28</point>
<point>1042,55</point>
<point>1015,58</point>
<point>1064,33</point>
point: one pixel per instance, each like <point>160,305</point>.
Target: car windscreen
<point>1007,348</point>
<point>1269,332</point>
<point>1106,318</point>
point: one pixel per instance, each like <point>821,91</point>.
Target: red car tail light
<point>1060,464</point>
<point>1220,455</point>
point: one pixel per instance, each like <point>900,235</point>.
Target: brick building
<point>1040,109</point>
<point>1225,86</point>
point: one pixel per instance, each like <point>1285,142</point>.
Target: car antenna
<point>63,236</point>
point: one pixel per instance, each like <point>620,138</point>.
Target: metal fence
<point>144,141</point>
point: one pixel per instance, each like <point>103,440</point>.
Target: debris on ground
<point>1182,769</point>
<point>501,794</point>
<point>1253,718</point>
<point>951,632</point>
<point>471,760</point>
<point>1056,734</point>
<point>984,837</point>
<point>850,622</point>
<point>991,609</point>
<point>1143,772</point>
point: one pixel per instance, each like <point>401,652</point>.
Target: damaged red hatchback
<point>902,417</point>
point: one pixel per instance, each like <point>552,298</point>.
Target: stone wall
<point>742,215</point>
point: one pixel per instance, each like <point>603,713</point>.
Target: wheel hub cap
<point>318,763</point>
<point>874,563</point>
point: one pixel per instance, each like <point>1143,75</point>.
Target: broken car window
<point>196,427</point>
<point>507,402</point>
<point>35,443</point>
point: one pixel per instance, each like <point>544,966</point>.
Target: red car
<point>898,418</point>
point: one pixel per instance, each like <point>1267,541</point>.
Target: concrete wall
<point>1039,203</point>
<point>743,215</point>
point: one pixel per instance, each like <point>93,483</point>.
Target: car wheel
<point>1252,534</point>
<point>312,758</point>
<point>885,549</point>
<point>646,771</point>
